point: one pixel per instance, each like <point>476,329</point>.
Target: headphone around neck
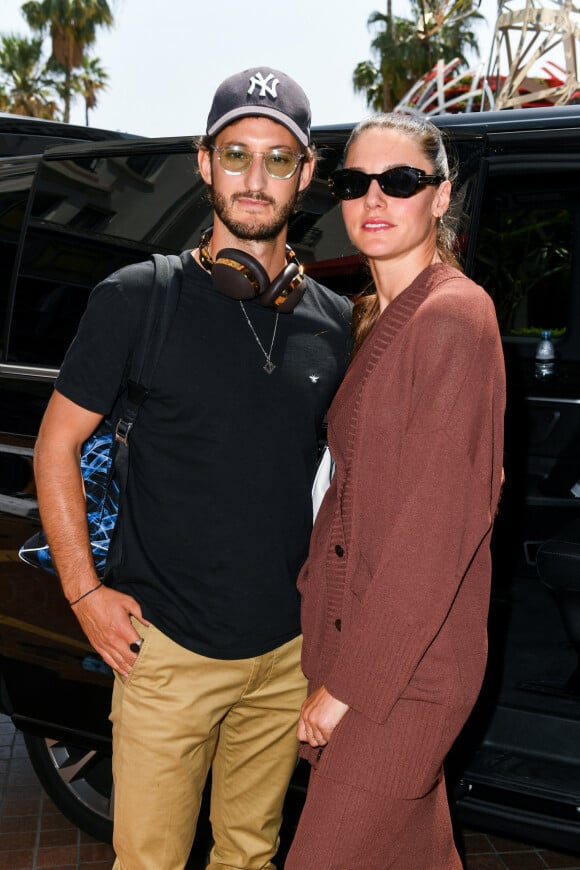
<point>240,276</point>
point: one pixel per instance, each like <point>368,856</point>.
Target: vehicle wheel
<point>79,781</point>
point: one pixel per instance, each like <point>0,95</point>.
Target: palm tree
<point>4,101</point>
<point>444,28</point>
<point>89,82</point>
<point>25,89</point>
<point>405,49</point>
<point>72,25</point>
<point>399,57</point>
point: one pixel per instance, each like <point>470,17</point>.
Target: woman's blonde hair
<point>429,138</point>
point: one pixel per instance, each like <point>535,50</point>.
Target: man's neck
<point>271,253</point>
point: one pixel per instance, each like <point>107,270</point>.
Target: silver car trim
<point>27,373</point>
<point>552,400</point>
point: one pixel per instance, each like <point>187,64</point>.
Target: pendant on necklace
<point>269,366</point>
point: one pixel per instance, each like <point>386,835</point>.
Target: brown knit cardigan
<point>395,591</point>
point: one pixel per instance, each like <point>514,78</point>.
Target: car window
<point>16,176</point>
<point>93,213</point>
<point>525,249</point>
<point>90,216</point>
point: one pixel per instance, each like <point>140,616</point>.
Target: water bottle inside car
<point>545,359</point>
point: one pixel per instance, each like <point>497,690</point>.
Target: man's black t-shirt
<point>217,513</point>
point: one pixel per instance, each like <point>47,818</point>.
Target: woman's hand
<point>319,716</point>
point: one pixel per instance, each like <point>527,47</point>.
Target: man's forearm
<point>61,501</point>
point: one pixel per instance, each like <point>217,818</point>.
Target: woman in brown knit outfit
<point>395,591</point>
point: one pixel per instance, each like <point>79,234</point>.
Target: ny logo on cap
<point>265,84</point>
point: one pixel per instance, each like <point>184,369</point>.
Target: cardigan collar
<point>388,325</point>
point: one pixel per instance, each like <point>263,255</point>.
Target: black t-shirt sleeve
<point>94,369</point>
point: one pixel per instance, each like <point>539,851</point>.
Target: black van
<point>73,212</point>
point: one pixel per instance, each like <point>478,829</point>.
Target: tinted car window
<point>16,178</point>
<point>90,216</point>
<point>525,248</point>
<point>94,212</point>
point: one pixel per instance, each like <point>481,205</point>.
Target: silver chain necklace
<point>268,365</point>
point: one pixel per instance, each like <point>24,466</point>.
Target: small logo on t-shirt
<point>314,378</point>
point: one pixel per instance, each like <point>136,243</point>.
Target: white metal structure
<point>534,57</point>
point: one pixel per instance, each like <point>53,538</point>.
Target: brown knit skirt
<point>347,828</point>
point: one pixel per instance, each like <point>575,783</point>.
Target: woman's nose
<point>374,194</point>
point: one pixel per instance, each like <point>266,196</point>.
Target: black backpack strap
<point>165,295</point>
<point>162,305</point>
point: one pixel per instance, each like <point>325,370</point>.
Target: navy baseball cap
<point>261,91</point>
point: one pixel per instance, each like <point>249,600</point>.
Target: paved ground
<point>34,834</point>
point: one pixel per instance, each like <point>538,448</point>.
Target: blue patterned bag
<point>105,455</point>
<point>102,495</point>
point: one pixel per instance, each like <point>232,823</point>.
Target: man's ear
<point>204,164</point>
<point>306,173</point>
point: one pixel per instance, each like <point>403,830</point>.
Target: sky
<point>165,58</point>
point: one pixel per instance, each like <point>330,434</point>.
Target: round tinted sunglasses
<point>400,181</point>
<point>279,163</point>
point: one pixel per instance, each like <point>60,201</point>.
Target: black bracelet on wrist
<point>84,595</point>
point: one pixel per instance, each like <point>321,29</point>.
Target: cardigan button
<point>338,624</point>
<point>339,551</point>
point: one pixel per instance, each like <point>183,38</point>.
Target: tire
<point>79,781</point>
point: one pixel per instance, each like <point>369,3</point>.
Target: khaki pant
<point>177,715</point>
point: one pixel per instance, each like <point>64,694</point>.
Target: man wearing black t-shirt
<point>216,511</point>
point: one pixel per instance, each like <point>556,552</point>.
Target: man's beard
<point>255,231</point>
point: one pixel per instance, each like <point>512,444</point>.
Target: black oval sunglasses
<point>399,181</point>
